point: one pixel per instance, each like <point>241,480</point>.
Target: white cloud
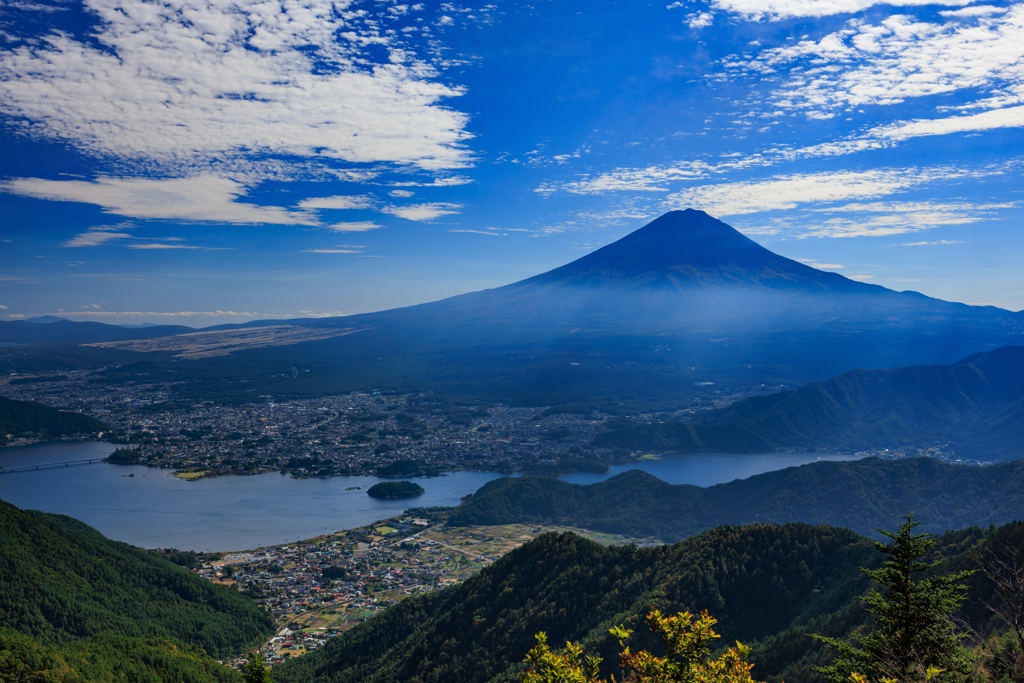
<point>1010,117</point>
<point>790,191</point>
<point>401,194</point>
<point>880,219</point>
<point>354,226</point>
<point>931,244</point>
<point>423,212</point>
<point>700,20</point>
<point>203,198</point>
<point>448,181</point>
<point>330,251</point>
<point>181,82</point>
<point>490,233</point>
<point>649,179</point>
<point>775,10</point>
<point>976,11</point>
<point>899,59</point>
<point>337,202</point>
<point>101,234</point>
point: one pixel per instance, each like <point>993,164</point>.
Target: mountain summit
<point>690,249</point>
<point>683,306</point>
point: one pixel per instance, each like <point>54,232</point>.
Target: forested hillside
<point>21,417</point>
<point>768,585</point>
<point>77,597</point>
<point>863,495</point>
<point>974,408</point>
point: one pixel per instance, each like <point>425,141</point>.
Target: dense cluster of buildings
<point>317,589</point>
<point>356,433</point>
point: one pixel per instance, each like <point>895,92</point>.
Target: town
<point>317,589</point>
<point>348,434</point>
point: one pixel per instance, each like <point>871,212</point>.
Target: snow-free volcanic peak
<point>685,249</point>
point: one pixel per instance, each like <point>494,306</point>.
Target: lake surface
<point>708,469</point>
<point>155,509</point>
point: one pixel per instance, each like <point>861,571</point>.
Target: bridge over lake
<point>48,465</point>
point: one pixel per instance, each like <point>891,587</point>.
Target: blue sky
<point>209,161</point>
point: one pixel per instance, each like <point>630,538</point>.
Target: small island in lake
<point>395,489</point>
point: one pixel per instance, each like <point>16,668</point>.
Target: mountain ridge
<point>862,495</point>
<point>631,323</point>
<point>973,408</point>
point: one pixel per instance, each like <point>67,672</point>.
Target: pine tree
<point>914,638</point>
<point>257,671</point>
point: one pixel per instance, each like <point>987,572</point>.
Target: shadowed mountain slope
<point>768,585</point>
<point>974,408</point>
<point>21,417</point>
<point>863,495</point>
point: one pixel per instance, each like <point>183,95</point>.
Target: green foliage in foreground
<point>687,657</point>
<point>760,581</point>
<point>863,495</point>
<point>914,637</point>
<point>63,581</point>
<point>770,586</point>
<point>20,417</point>
<point>107,659</point>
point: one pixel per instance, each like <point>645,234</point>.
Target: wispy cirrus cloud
<point>337,202</point>
<point>423,212</point>
<point>171,84</point>
<point>790,191</point>
<point>354,226</point>
<point>201,198</point>
<point>100,234</point>
<point>778,10</point>
<point>832,204</point>
<point>978,53</point>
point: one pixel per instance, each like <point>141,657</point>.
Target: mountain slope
<point>863,495</point>
<point>768,585</point>
<point>690,249</point>
<point>974,407</point>
<point>654,317</point>
<point>758,581</point>
<point>63,581</point>
<point>19,417</point>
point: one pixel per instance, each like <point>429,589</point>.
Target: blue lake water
<point>154,509</point>
<point>708,469</point>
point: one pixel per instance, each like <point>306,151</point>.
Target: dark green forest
<point>100,609</point>
<point>29,417</point>
<point>395,489</point>
<point>863,495</point>
<point>107,658</point>
<point>768,585</point>
<point>973,408</point>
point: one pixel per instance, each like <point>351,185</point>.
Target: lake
<point>155,509</point>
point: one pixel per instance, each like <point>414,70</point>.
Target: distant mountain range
<point>682,306</point>
<point>53,330</point>
<point>863,495</point>
<point>974,408</point>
